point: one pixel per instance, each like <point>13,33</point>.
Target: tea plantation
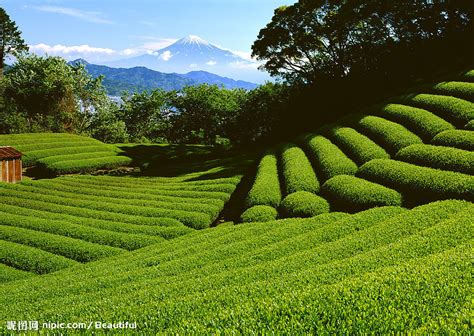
<point>364,226</point>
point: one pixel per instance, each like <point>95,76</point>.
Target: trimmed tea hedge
<point>468,76</point>
<point>328,159</point>
<point>8,273</point>
<point>421,184</point>
<point>353,194</point>
<point>463,90</point>
<point>470,125</point>
<point>390,135</point>
<point>74,249</point>
<point>462,139</point>
<point>87,165</point>
<point>31,259</point>
<point>303,204</point>
<point>266,187</point>
<point>357,146</point>
<point>259,213</point>
<point>446,158</point>
<point>424,123</point>
<point>456,110</point>
<point>298,174</point>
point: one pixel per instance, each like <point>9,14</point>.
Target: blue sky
<point>113,29</point>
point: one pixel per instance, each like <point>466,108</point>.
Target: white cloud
<point>166,56</point>
<point>211,63</point>
<point>244,65</point>
<point>246,55</point>
<point>193,65</point>
<point>59,49</point>
<point>94,17</point>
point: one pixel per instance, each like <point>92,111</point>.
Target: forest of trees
<point>328,59</point>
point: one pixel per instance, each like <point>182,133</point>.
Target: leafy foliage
<point>297,172</point>
<point>259,213</point>
<point>463,139</point>
<point>352,194</point>
<point>303,204</point>
<point>266,187</point>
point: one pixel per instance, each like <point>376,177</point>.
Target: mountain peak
<point>193,39</point>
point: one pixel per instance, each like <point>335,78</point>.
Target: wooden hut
<point>10,165</point>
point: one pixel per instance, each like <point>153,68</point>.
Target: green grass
<point>455,110</point>
<point>266,186</point>
<point>327,158</point>
<point>419,184</point>
<point>463,90</point>
<point>297,172</point>
<point>463,139</point>
<point>352,194</point>
<point>357,146</point>
<point>380,271</point>
<point>303,204</point>
<point>421,122</point>
<point>441,157</point>
<point>259,213</point>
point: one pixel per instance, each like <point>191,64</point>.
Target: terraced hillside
<point>62,153</point>
<point>416,149</point>
<point>50,224</point>
<point>384,270</point>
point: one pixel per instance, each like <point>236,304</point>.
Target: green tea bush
<point>196,220</point>
<point>89,234</point>
<point>463,139</point>
<point>423,123</point>
<point>168,231</point>
<point>455,110</point>
<point>259,213</point>
<point>468,76</point>
<point>30,147</point>
<point>303,204</point>
<point>470,125</point>
<point>390,135</point>
<point>31,259</point>
<point>463,90</point>
<point>419,184</point>
<point>446,158</point>
<point>74,249</point>
<point>353,194</point>
<point>8,273</point>
<point>357,146</point>
<point>328,159</point>
<point>87,165</point>
<point>298,174</point>
<point>266,187</point>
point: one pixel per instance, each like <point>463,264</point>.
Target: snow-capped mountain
<point>193,53</point>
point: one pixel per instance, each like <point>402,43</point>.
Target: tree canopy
<point>317,39</point>
<point>11,42</point>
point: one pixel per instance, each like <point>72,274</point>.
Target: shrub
<point>463,90</point>
<point>328,159</point>
<point>470,125</point>
<point>31,259</point>
<point>266,187</point>
<point>446,158</point>
<point>353,194</point>
<point>89,234</point>
<point>390,135</point>
<point>424,123</point>
<point>419,184</point>
<point>303,204</point>
<point>298,174</point>
<point>468,76</point>
<point>71,248</point>
<point>357,146</point>
<point>8,273</point>
<point>462,139</point>
<point>455,110</point>
<point>259,213</point>
<point>87,165</point>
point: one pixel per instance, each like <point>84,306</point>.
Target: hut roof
<point>7,152</point>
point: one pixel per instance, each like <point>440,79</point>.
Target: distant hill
<point>138,79</point>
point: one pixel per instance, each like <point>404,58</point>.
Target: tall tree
<point>11,42</point>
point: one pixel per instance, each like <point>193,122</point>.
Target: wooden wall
<point>11,170</point>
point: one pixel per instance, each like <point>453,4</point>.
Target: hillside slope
<point>382,270</point>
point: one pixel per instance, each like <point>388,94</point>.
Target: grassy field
<point>363,227</point>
